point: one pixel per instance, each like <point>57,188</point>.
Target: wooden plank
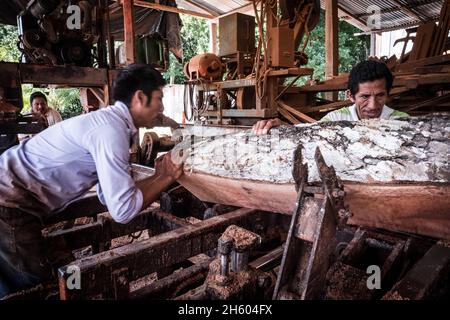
<point>422,41</point>
<point>445,28</point>
<point>128,24</point>
<point>412,208</point>
<point>291,72</point>
<point>432,69</point>
<point>428,30</point>
<point>409,81</point>
<point>161,7</point>
<point>297,113</point>
<point>442,29</point>
<point>398,90</point>
<point>322,88</point>
<point>443,59</point>
<point>328,107</point>
<point>430,102</point>
<point>63,75</point>
<point>419,209</point>
<point>213,37</point>
<point>354,20</point>
<point>415,81</point>
<point>288,116</point>
<point>431,271</point>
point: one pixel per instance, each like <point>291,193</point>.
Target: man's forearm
<point>152,187</point>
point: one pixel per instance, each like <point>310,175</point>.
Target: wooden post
<point>101,9</point>
<point>128,24</point>
<point>213,37</point>
<point>331,43</point>
<point>373,41</point>
<point>268,101</point>
<point>107,98</point>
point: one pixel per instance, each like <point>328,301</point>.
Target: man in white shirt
<point>369,85</point>
<point>41,176</point>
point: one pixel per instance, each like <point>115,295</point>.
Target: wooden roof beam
<point>248,9</point>
<point>357,22</point>
<point>202,7</point>
<point>156,6</point>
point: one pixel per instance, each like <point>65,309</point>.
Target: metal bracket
<point>300,175</point>
<point>333,189</point>
<point>309,244</point>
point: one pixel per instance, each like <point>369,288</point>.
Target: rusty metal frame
<point>105,228</point>
<point>114,269</point>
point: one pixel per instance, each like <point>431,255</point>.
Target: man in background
<point>39,106</point>
<point>369,85</point>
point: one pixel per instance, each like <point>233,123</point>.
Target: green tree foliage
<point>352,49</point>
<point>195,39</point>
<point>9,52</point>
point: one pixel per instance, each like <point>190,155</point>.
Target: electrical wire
<point>192,96</point>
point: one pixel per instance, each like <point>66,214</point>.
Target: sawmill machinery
<point>255,71</point>
<point>188,249</point>
<point>57,32</point>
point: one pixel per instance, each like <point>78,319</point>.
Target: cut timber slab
<point>396,174</point>
<point>420,209</point>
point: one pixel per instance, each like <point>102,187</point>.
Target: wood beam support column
<point>213,37</point>
<point>332,43</point>
<point>128,21</point>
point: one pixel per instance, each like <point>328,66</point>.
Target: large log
<point>396,173</point>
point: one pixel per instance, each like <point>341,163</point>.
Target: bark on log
<point>396,173</point>
<point>413,150</point>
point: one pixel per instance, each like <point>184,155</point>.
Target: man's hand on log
<point>263,126</point>
<point>165,167</point>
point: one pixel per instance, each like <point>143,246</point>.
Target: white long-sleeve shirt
<point>46,173</point>
<point>52,116</point>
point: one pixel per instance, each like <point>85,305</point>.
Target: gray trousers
<point>24,254</point>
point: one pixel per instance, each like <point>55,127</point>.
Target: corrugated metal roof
<point>353,11</point>
<point>392,16</point>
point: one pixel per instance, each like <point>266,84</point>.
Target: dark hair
<point>369,70</point>
<point>37,94</point>
<point>136,77</point>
